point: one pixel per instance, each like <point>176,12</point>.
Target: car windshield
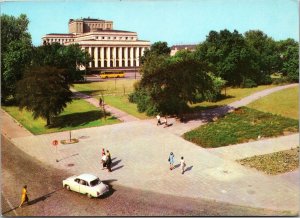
<point>95,182</point>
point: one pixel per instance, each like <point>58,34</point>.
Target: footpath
<point>140,151</point>
<point>121,115</point>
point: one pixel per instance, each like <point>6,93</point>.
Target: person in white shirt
<point>104,161</point>
<point>158,120</point>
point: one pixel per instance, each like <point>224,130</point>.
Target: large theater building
<point>109,48</point>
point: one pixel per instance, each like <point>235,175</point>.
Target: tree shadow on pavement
<point>207,115</point>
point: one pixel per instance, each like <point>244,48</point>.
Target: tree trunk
<point>48,120</point>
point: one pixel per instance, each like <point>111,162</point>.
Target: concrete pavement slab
<point>141,151</point>
<point>260,147</point>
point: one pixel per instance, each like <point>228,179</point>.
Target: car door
<point>83,187</point>
<point>75,185</point>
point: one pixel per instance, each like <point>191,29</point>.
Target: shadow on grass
<point>93,92</point>
<point>77,119</point>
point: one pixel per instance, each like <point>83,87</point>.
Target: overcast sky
<point>173,21</point>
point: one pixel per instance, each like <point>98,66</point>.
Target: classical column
<point>126,56</point>
<point>120,57</point>
<point>90,52</point>
<point>142,52</point>
<point>131,56</point>
<point>96,59</point>
<point>102,56</point>
<point>114,56</point>
<point>108,56</point>
<point>137,56</point>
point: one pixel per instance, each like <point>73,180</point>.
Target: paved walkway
<point>141,162</point>
<point>201,118</point>
<point>12,128</point>
<point>121,115</point>
<point>260,147</point>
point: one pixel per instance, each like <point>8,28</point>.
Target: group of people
<point>172,160</point>
<point>106,160</point>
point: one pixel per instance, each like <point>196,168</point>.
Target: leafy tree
<point>168,84</point>
<point>215,93</point>
<point>265,56</point>
<point>15,52</point>
<point>157,48</point>
<point>289,56</point>
<point>44,91</point>
<point>228,56</point>
<point>65,57</point>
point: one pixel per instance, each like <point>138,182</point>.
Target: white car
<point>87,184</point>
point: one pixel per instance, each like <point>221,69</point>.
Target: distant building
<point>176,48</point>
<point>109,48</point>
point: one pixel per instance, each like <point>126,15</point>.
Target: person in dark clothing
<point>100,102</point>
<point>108,161</point>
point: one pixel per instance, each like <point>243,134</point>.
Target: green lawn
<point>240,126</point>
<point>274,163</point>
<point>115,93</point>
<point>121,102</point>
<point>78,114</point>
<point>108,87</point>
<point>284,103</point>
<point>232,94</point>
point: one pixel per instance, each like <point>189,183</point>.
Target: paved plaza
<point>140,152</point>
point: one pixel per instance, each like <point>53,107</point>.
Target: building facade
<point>109,48</point>
<point>176,48</point>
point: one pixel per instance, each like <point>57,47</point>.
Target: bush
<point>248,83</point>
<point>142,99</point>
<point>280,81</point>
<point>267,80</point>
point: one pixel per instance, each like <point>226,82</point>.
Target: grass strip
<point>78,114</point>
<point>240,126</point>
<point>274,163</point>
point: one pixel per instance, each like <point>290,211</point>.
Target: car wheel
<point>106,77</point>
<point>89,195</point>
<point>67,187</point>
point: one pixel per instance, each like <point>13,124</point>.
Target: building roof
<point>66,34</point>
<point>116,31</point>
<point>87,19</point>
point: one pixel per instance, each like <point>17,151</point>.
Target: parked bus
<point>112,74</point>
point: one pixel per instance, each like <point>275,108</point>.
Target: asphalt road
<point>48,198</point>
<point>96,78</point>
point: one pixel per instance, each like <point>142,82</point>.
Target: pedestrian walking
<point>103,159</point>
<point>182,165</point>
<point>100,102</point>
<point>108,162</point>
<point>103,152</point>
<point>171,160</point>
<point>158,120</point>
<point>166,122</point>
<point>24,197</point>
